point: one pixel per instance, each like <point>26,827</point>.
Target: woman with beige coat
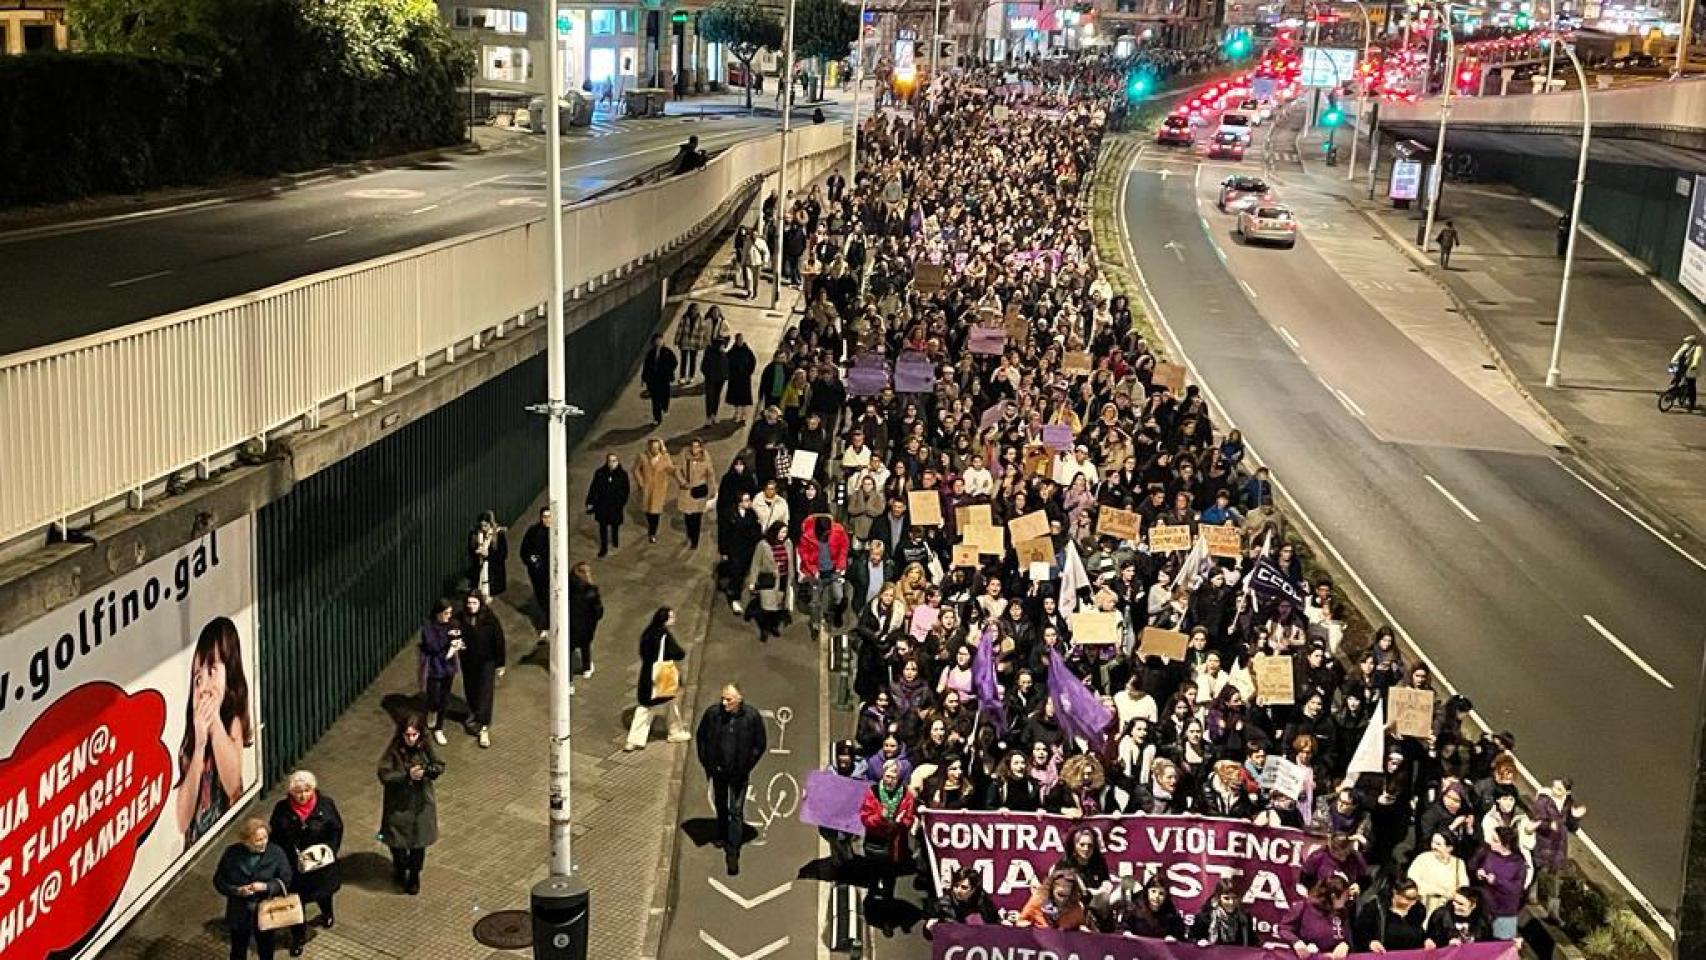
<point>652,474</point>
<point>696,488</point>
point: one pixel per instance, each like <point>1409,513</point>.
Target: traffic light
<point>1137,85</point>
<point>1331,115</point>
<point>1237,45</point>
<point>1524,15</point>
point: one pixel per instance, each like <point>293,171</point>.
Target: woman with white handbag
<point>659,683</point>
<point>254,876</point>
<point>307,826</point>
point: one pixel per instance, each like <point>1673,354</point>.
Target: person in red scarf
<point>306,825</point>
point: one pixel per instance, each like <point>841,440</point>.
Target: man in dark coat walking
<point>731,740</point>
<point>658,375</point>
<point>606,499</point>
<point>536,557</point>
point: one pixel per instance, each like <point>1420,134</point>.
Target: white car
<point>1267,223</point>
<point>1253,110</point>
<point>1238,123</point>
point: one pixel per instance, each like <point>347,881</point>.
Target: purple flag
<point>1079,710</point>
<point>950,941</point>
<point>983,677</point>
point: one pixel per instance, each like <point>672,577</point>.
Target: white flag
<point>1073,578</point>
<point>1370,756</point>
<point>1190,568</point>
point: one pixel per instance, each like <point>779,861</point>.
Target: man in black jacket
<point>658,374</point>
<point>730,741</point>
<point>536,557</point>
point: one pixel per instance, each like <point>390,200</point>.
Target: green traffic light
<point>1331,118</point>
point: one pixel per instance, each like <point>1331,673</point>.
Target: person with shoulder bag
<point>307,826</point>
<point>254,876</point>
<point>659,683</point>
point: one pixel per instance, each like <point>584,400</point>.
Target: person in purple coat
<point>1321,923</point>
<point>1338,857</point>
<point>1556,816</point>
<point>1501,873</point>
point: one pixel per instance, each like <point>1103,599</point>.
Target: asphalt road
<point>1563,619</point>
<point>63,283</point>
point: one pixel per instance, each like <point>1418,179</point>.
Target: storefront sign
<point>128,736</point>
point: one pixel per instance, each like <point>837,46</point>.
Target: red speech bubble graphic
<point>77,796</point>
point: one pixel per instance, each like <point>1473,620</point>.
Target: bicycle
<point>1672,395</point>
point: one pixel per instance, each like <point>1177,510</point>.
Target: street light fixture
<point>1448,80</point>
<point>782,170</point>
<point>1553,374</point>
<point>858,82</point>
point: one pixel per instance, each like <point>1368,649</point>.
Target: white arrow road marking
<point>1178,251</point>
<point>728,954</point>
<point>743,902</point>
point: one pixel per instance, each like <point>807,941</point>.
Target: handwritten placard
<point>1076,362</point>
<point>972,515</point>
<point>802,464</point>
<point>1095,627</point>
<point>1169,375</point>
<point>1038,550</point>
<point>1274,680</point>
<point>965,555</point>
<point>1169,538</point>
<point>1114,522</point>
<point>1223,541</point>
<point>1029,527</point>
<point>927,277</point>
<point>1166,644</point>
<point>1412,711</point>
<point>990,541</point>
<point>925,507</point>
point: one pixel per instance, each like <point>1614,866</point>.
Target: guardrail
<point>1678,105</point>
<point>101,418</point>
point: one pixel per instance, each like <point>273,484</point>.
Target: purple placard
<point>867,381</point>
<point>833,801</point>
<point>992,416</point>
<point>1057,436</point>
<point>914,376</point>
<point>958,941</point>
<point>1014,850</point>
<point>989,341</point>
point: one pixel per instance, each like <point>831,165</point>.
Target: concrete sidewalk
<point>492,814</point>
<point>1503,287</point>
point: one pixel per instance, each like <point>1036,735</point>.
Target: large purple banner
<point>1013,851</point>
<point>954,941</point>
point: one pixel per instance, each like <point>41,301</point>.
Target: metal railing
<point>101,418</point>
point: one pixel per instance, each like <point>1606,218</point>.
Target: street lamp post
<point>1450,78</point>
<point>1553,374</point>
<point>1362,95</point>
<point>935,40</point>
<point>782,171</point>
<point>1682,35</point>
<point>858,82</point>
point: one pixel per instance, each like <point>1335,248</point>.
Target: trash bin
<point>560,909</point>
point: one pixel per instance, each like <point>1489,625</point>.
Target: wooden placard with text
<point>1029,527</point>
<point>989,540</point>
<point>1017,327</point>
<point>1224,542</point>
<point>1095,627</point>
<point>1114,522</point>
<point>1274,680</point>
<point>1166,644</point>
<point>925,506</point>
<point>1038,550</point>
<point>1169,538</point>
<point>1412,711</point>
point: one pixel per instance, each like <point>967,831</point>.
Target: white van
<point>1238,123</point>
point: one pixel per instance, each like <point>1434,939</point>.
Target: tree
<point>825,29</point>
<point>745,28</point>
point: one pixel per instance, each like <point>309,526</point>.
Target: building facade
<point>31,26</point>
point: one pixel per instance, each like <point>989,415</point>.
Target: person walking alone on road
<point>409,810</point>
<point>440,646</point>
<point>652,473</point>
<point>659,683</point>
<point>730,741</point>
<point>536,557</point>
<point>1447,239</point>
<point>716,370</point>
<point>657,372</point>
<point>607,501</point>
<point>692,336</point>
<point>586,608</point>
<point>482,663</point>
<point>1685,369</point>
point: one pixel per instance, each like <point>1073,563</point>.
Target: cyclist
<point>1685,368</point>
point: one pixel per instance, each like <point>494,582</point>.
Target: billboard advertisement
<point>128,740</point>
<point>1328,66</point>
<point>1693,270</point>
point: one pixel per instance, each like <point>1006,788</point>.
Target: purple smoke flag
<point>983,677</point>
<point>1079,710</point>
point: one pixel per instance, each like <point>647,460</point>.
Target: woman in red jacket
<point>888,812</point>
<point>823,565</point>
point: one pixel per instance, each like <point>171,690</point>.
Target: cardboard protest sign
<point>1075,362</point>
<point>992,416</point>
<point>1057,436</point>
<point>1037,460</point>
<point>965,555</point>
<point>1038,570</point>
<point>1283,776</point>
<point>1029,527</point>
<point>1165,538</point>
<point>972,515</point>
<point>1169,375</point>
<point>1095,627</point>
<point>987,341</point>
<point>802,464</point>
<point>1017,328</point>
<point>990,541</point>
<point>1274,680</point>
<point>1223,541</point>
<point>927,277</point>
<point>1166,644</point>
<point>833,801</point>
<point>1037,550</point>
<point>925,507</point>
<point>1411,711</point>
<point>1114,522</point>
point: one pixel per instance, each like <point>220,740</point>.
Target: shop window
<point>603,22</point>
<point>629,20</point>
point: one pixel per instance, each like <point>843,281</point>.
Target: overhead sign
<point>1262,88</point>
<point>128,741</point>
<point>1406,180</point>
<point>1328,66</point>
<point>1693,271</point>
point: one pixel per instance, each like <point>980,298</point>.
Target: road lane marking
<point>748,903</point>
<point>147,276</point>
<point>1622,648</point>
<point>1684,554</point>
<point>1653,913</point>
<point>1454,501</point>
<point>430,206</point>
<point>1290,339</point>
<point>728,954</point>
<point>1248,290</point>
<point>327,236</point>
<point>1349,404</point>
<point>1178,251</point>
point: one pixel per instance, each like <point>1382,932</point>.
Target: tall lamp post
<point>935,40</point>
<point>1682,36</point>
<point>1450,78</point>
<point>559,902</point>
<point>858,82</point>
<point>787,127</point>
<point>1553,374</point>
<point>1362,95</point>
